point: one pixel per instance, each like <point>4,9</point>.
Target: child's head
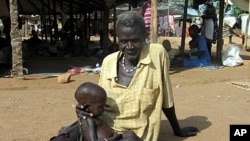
<point>92,97</point>
<point>193,44</point>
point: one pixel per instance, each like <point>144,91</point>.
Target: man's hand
<point>181,132</point>
<point>187,131</point>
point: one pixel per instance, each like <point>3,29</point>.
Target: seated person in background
<point>5,53</point>
<point>171,52</point>
<point>203,57</point>
<point>91,98</point>
<point>202,53</point>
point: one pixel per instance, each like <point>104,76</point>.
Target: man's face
<point>130,42</point>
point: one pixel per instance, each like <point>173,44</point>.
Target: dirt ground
<point>35,108</point>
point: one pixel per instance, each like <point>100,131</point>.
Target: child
<point>91,99</point>
<point>193,44</point>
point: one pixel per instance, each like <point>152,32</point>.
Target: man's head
<point>92,97</point>
<point>132,19</point>
<point>131,33</point>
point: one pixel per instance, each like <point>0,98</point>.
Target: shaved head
<point>88,91</point>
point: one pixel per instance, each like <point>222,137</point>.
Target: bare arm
<point>184,132</point>
<point>88,128</point>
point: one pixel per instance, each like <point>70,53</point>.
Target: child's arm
<point>88,128</point>
<point>198,53</point>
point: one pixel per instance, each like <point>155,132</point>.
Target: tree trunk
<point>16,42</point>
<point>104,36</point>
<point>154,22</point>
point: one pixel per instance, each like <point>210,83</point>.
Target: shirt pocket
<point>148,99</point>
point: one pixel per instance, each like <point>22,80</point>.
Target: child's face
<point>96,106</point>
<point>93,104</point>
<point>193,32</point>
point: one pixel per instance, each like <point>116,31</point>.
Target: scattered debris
<point>64,78</point>
<point>241,85</point>
<point>178,85</point>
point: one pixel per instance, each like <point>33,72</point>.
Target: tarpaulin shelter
<point>13,8</point>
<point>71,7</point>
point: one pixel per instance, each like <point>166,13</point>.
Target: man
<point>137,83</point>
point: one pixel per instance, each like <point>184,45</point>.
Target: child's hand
<point>81,113</point>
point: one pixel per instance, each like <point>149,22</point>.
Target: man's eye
<point>123,42</point>
<point>135,41</point>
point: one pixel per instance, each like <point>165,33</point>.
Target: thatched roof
<point>28,7</point>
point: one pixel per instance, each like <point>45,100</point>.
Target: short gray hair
<point>132,19</point>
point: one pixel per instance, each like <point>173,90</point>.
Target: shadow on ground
<point>57,64</point>
<point>166,132</point>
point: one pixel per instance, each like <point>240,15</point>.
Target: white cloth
<point>202,8</point>
<point>231,56</point>
<point>208,28</point>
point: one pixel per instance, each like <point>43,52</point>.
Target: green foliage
<point>237,11</point>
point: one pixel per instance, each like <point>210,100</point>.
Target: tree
<point>16,41</point>
<point>237,11</point>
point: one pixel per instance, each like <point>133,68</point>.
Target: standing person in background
<point>236,30</point>
<point>146,13</point>
<point>209,27</point>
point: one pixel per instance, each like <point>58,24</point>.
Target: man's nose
<point>129,45</point>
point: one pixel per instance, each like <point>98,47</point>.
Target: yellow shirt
<point>138,107</point>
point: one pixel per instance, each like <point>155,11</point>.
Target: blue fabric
<point>204,60</point>
<point>193,57</point>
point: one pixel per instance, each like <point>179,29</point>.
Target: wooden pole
<point>247,27</point>
<point>114,27</point>
<point>105,33</point>
<point>183,36</point>
<point>16,42</point>
<point>154,25</point>
<point>49,14</point>
<point>55,25</point>
<point>44,27</point>
<point>220,39</point>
